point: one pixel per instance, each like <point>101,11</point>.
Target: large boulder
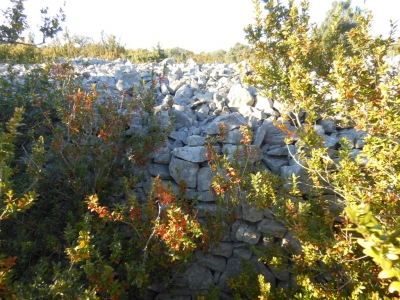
<point>184,170</point>
<point>128,80</point>
<point>239,96</point>
<point>232,121</point>
<point>192,154</point>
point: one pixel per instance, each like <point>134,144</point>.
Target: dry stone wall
<point>205,96</point>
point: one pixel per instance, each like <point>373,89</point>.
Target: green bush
<point>355,253</point>
<point>87,234</point>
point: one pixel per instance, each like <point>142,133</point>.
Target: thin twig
<point>151,235</point>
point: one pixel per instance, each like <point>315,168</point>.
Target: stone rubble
<point>203,97</point>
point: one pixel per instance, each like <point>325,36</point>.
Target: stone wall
<point>203,97</point>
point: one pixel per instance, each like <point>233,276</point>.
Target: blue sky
<point>196,25</point>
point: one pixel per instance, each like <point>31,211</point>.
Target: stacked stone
<point>203,97</point>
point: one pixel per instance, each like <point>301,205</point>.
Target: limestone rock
<point>248,233</point>
<point>239,96</point>
<point>204,179</point>
<point>232,121</point>
<point>191,154</point>
<point>272,227</point>
<point>127,81</point>
<point>184,170</point>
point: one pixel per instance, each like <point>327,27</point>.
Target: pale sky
<point>195,25</point>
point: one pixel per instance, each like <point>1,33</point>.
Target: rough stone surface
<point>248,233</point>
<point>216,263</point>
<point>223,249</point>
<point>251,212</point>
<point>204,179</point>
<point>239,96</point>
<point>233,268</point>
<point>159,170</point>
<point>198,277</point>
<point>272,227</point>
<point>232,121</point>
<point>192,154</point>
<point>291,244</point>
<point>184,170</point>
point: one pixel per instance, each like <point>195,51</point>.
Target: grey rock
<point>360,139</point>
<point>204,179</point>
<point>191,63</point>
<point>239,96</point>
<point>331,142</point>
<point>204,208</point>
<point>244,68</point>
<point>233,268</point>
<point>234,137</point>
<point>179,135</point>
<point>251,213</point>
<point>216,263</point>
<point>184,170</point>
<point>184,91</point>
<point>172,144</point>
<point>182,118</point>
<point>162,171</point>
<point>264,271</point>
<point>175,85</point>
<point>298,171</point>
<point>203,196</point>
<point>274,163</point>
<point>192,154</point>
<point>184,109</point>
<point>198,277</point>
<point>203,109</point>
<point>176,72</point>
<point>196,140</point>
<point>232,121</point>
<point>291,244</point>
<point>223,249</point>
<point>274,135</point>
<point>248,233</point>
<point>282,275</point>
<point>261,131</point>
<point>272,227</point>
<point>357,156</point>
<point>240,154</point>
<point>349,135</point>
<point>281,151</point>
<point>127,81</point>
<point>167,61</point>
<point>319,129</point>
<point>163,120</point>
<point>328,125</point>
<point>334,204</point>
<point>216,277</point>
<point>264,104</point>
<point>242,252</point>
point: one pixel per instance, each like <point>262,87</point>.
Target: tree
<point>353,253</point>
<point>339,20</point>
<point>16,24</point>
<point>159,53</point>
<point>237,53</point>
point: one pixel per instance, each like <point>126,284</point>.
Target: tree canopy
<point>15,24</point>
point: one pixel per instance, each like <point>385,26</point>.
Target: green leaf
<point>394,286</point>
<point>392,256</point>
<point>387,274</point>
<point>371,252</point>
<point>386,264</point>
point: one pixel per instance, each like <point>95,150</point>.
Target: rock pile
<point>203,97</point>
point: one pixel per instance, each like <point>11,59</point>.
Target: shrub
<point>350,82</point>
<point>87,234</point>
